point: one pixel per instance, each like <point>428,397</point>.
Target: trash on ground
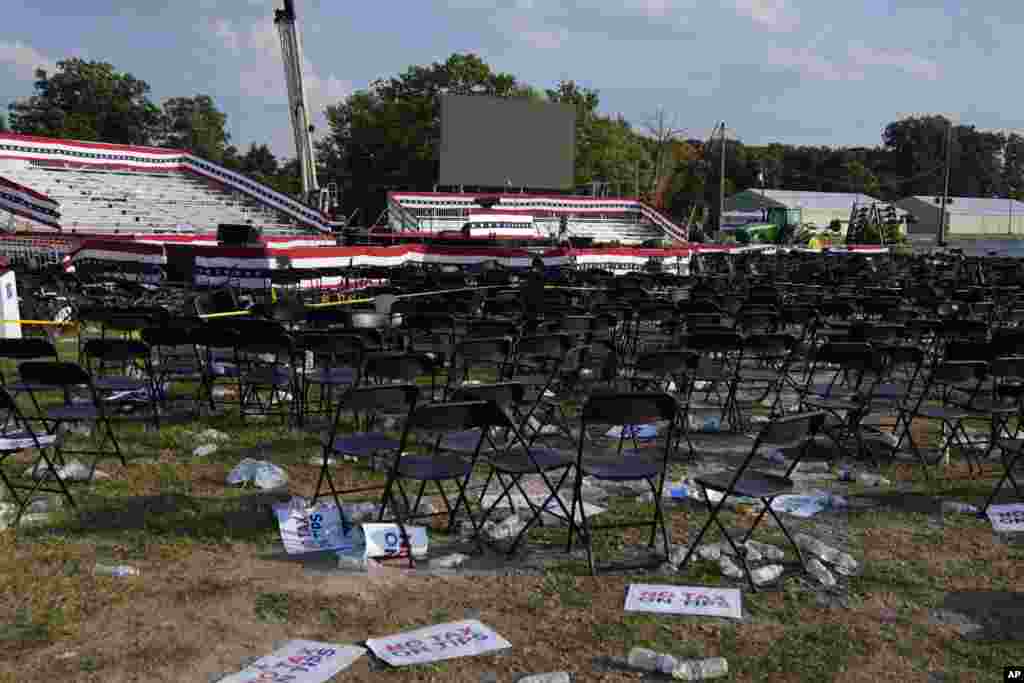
<point>385,540</point>
<point>843,563</point>
<point>819,571</point>
<point>299,661</point>
<point>729,568</point>
<point>205,450</point>
<point>554,677</point>
<point>435,643</point>
<point>73,470</point>
<point>958,507</point>
<point>766,574</point>
<point>807,504</point>
<point>703,601</point>
<point>1007,517</point>
<point>448,561</point>
<point>309,528</point>
<point>646,431</point>
<point>115,570</point>
<point>264,475</point>
<point>685,670</point>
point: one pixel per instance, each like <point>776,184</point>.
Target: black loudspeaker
<point>236,235</point>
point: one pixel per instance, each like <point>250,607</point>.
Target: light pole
<point>945,187</point>
<point>1009,201</point>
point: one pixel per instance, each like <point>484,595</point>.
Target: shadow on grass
<point>171,515</point>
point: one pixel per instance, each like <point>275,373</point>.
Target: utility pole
<point>637,168</point>
<point>721,184</point>
<point>945,187</point>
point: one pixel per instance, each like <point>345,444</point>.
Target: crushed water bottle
<point>763,575</point>
<point>816,569</point>
<point>685,670</point>
<point>115,570</point>
<point>958,507</point>
<point>556,677</point>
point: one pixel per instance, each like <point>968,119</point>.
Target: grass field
<point>214,590</point>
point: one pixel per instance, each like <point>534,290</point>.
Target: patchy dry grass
<point>211,592</point>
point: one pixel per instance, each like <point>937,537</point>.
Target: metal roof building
<point>966,215</point>
<point>816,208</point>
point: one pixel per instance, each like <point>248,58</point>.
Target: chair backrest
<point>54,374</point>
<point>385,397</point>
<point>629,408</point>
<point>790,430</point>
<point>547,346</point>
<point>400,366</point>
<point>116,350</point>
<point>454,416</point>
<point>28,348</point>
<point>502,394</point>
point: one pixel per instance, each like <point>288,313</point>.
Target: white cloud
<point>24,60</point>
<point>809,63</point>
<point>229,37</point>
<point>776,15</point>
<point>908,62</point>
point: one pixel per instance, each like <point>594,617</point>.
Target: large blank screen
<point>493,142</point>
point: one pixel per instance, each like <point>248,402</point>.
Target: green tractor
<point>779,226</point>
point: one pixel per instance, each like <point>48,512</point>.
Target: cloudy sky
<point>793,71</point>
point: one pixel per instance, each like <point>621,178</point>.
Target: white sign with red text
<point>299,661</point>
<point>1006,517</point>
<point>434,643</point>
<point>699,600</point>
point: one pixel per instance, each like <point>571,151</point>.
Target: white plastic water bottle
<point>763,575</point>
<point>116,570</point>
<point>685,670</point>
<point>957,506</point>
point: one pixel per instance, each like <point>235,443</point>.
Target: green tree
<point>3,124</point>
<point>195,124</point>
<point>88,100</point>
<point>231,159</point>
<point>1013,166</point>
<point>861,179</point>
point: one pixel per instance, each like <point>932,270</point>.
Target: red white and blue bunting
<point>27,203</point>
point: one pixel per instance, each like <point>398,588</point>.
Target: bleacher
<point>100,200</point>
<point>604,220</point>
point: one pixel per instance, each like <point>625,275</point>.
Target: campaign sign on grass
<point>700,600</point>
<point>299,661</point>
<point>385,540</point>
<point>309,528</point>
<point>1007,517</point>
<point>434,643</point>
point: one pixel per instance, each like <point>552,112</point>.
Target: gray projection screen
<point>494,142</point>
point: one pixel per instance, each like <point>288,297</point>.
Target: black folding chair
<point>357,437</point>
<point>16,437</point>
<point>429,423</point>
<point>601,411</point>
<point>68,377</point>
<point>793,433</point>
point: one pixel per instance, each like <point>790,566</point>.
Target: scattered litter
<point>807,504</point>
<point>710,552</point>
<point>115,570</point>
<point>685,670</point>
<point>708,602</point>
<point>647,431</point>
<point>435,643</point>
<point>1007,517</point>
<point>556,677</point>
<point>212,435</point>
<point>72,471</point>
<point>448,561</point>
<point>262,474</point>
<point>869,479</point>
<point>385,540</point>
<point>843,563</point>
<point>299,661</point>
<point>305,528</point>
<point>820,572</point>
<point>956,506</point>
<point>506,529</point>
<point>767,550</point>
<point>767,574</point>
<point>205,450</point>
<point>729,568</point>
<point>814,466</point>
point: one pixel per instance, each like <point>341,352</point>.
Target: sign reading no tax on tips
<point>434,643</point>
<point>703,601</point>
<point>299,661</point>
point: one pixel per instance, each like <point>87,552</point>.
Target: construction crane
<point>322,199</point>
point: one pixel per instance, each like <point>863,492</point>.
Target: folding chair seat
<point>357,437</point>
<point>67,377</point>
<point>17,437</point>
<point>336,364</point>
<point>595,458</point>
<point>267,375</point>
<point>955,383</point>
<point>793,433</point>
<point>22,350</point>
<point>508,457</point>
<point>488,355</point>
<point>122,371</point>
<point>429,424</point>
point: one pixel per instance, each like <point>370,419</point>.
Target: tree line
<point>386,137</point>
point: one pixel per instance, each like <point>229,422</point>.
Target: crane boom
<point>291,52</point>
